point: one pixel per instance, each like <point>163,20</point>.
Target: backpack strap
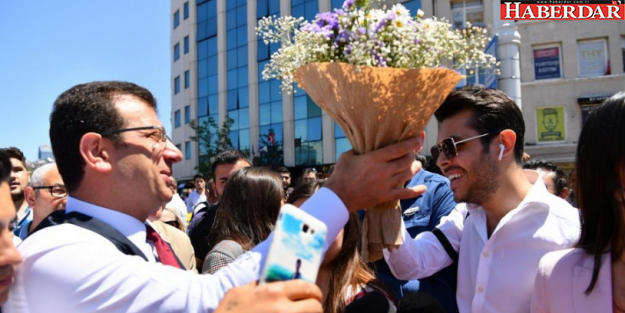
<point>445,242</point>
<point>120,241</point>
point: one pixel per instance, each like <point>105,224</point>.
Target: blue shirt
<point>423,214</point>
<point>24,221</point>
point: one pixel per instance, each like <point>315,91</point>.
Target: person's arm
<point>424,255</point>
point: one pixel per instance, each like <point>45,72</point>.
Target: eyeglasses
<point>448,146</point>
<point>162,133</point>
<point>56,191</point>
<point>310,169</point>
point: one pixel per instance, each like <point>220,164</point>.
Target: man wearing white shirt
<point>198,195</point>
<point>509,220</point>
<point>116,161</point>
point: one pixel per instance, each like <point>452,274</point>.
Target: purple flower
<point>343,37</point>
<point>327,19</point>
<point>348,49</point>
<point>348,4</point>
<point>362,30</point>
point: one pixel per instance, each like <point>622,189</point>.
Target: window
<point>185,13</point>
<point>179,147</point>
<point>337,4</point>
<point>177,85</point>
<point>341,144</point>
<point>176,19</point>
<point>187,114</point>
<point>413,6</point>
<point>187,150</point>
<point>177,119</point>
<point>467,11</point>
<point>187,79</point>
<point>176,52</point>
<point>593,59</point>
<point>547,62</point>
<point>237,76</point>
<point>305,8</point>
<point>186,45</point>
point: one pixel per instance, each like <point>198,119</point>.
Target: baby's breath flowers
<point>359,35</point>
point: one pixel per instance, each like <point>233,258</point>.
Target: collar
<point>27,212</point>
<point>129,226</point>
<point>535,195</point>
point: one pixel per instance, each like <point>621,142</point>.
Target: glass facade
<point>306,114</point>
<point>336,4</point>
<point>413,6</point>
<point>237,74</point>
<point>206,39</point>
<point>270,143</point>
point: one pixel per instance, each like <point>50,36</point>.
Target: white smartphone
<point>296,248</point>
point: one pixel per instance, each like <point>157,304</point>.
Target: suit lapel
<point>600,299</point>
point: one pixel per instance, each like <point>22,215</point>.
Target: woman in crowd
<point>591,277</point>
<point>343,276</point>
<point>247,212</point>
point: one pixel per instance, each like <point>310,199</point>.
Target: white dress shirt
<point>193,199</point>
<point>67,268</point>
<point>495,274</point>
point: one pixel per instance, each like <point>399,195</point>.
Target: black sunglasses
<point>448,146</point>
<point>173,223</point>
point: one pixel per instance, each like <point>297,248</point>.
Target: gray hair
<point>36,179</point>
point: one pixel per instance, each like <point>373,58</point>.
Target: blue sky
<point>49,46</point>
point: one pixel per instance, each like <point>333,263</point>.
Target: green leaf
<point>362,4</point>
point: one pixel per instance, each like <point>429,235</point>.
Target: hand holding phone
<point>296,247</point>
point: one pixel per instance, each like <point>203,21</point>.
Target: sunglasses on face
<point>448,146</point>
<point>173,223</point>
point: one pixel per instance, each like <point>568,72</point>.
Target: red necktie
<point>163,249</point>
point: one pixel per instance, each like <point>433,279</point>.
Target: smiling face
<point>142,162</point>
<point>9,256</point>
<point>473,172</point>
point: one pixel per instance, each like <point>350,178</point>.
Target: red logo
<point>562,10</point>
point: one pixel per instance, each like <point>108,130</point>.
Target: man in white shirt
<point>509,220</point>
<point>198,195</point>
<point>116,162</point>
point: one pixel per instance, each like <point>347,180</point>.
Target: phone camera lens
<point>305,228</point>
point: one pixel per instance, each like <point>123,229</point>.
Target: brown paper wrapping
<point>376,107</point>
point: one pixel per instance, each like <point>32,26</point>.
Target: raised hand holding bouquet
<point>380,74</point>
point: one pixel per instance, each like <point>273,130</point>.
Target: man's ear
<point>29,194</point>
<point>565,193</point>
<point>507,138</point>
<point>94,151</point>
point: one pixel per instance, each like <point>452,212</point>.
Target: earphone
<point>501,148</point>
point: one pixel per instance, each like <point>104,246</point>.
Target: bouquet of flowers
<point>380,74</point>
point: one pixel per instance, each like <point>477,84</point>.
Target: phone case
<point>296,247</point>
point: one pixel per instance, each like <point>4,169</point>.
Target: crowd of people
<point>493,233</point>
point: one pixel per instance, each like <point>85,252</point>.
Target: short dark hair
<point>493,112</point>
<point>5,166</point>
<point>304,190</point>
<point>559,180</point>
<point>230,156</point>
<point>282,169</point>
<point>15,153</point>
<point>83,109</point>
<point>198,176</point>
<point>599,161</point>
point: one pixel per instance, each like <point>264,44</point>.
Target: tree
<point>211,140</point>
